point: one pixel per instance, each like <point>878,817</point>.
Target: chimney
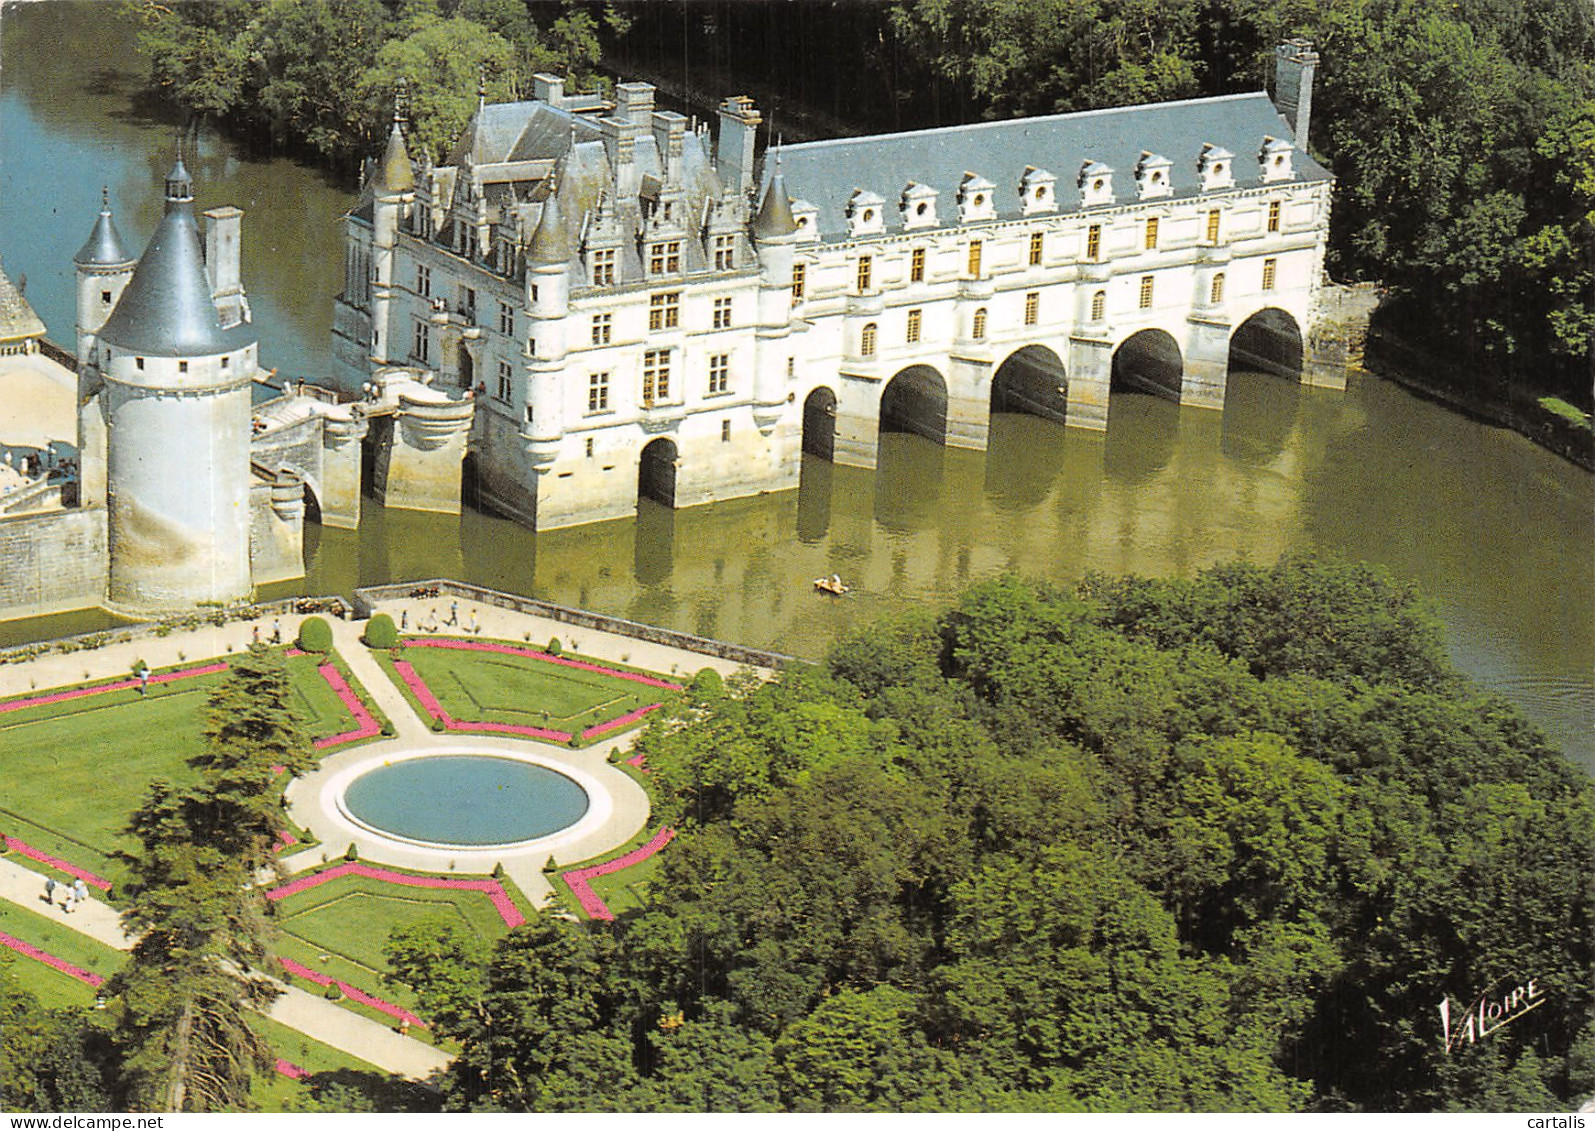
<point>620,140</point>
<point>1294,64</point>
<point>670,131</point>
<point>635,100</point>
<point>549,88</point>
<point>739,129</point>
<point>221,261</point>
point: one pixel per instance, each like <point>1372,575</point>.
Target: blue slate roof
<point>825,173</point>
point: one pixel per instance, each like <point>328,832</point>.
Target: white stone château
<point>630,308</point>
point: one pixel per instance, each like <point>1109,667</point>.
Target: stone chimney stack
<point>635,101</point>
<point>222,262</point>
<point>670,132</point>
<point>739,130</point>
<point>1294,64</point>
<point>548,88</point>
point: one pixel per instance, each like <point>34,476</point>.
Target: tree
<point>446,964</point>
<point>50,1060</point>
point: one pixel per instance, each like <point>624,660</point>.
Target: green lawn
<point>48,931</point>
<point>520,690</point>
<point>76,770</point>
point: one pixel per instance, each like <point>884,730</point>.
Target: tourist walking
<point>454,613</point>
<point>80,891</point>
<point>404,619</point>
<point>256,639</point>
<point>144,681</point>
<point>49,890</point>
<point>66,904</point>
<point>276,631</point>
<point>475,628</point>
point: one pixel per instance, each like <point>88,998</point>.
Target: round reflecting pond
<point>465,799</point>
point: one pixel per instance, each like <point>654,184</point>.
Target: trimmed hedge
<point>381,632</point>
<point>315,635</point>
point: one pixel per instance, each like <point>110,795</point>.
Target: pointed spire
<point>179,185</point>
<point>551,242</point>
<point>775,211</point>
<point>103,248</point>
<point>394,174</point>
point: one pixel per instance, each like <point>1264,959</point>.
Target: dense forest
<point>1462,132</point>
<point>1210,844</point>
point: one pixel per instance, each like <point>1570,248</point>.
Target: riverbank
<point>1501,403</point>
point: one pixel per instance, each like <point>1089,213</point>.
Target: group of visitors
<point>430,622</point>
<point>72,894</point>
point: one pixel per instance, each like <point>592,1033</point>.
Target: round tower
<point>103,271</point>
<point>775,234</point>
<point>393,191</point>
<point>548,305</point>
<point>176,405</point>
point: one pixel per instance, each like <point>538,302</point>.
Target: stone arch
<point>915,400</point>
<point>312,502</point>
<point>819,422</point>
<point>470,482</point>
<point>1032,380</point>
<point>1269,341</point>
<point>467,366</point>
<point>656,472</point>
<point>1149,361</point>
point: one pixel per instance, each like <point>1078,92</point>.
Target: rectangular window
<point>1093,242</point>
<point>1216,294</point>
<point>725,252</point>
<point>865,269</point>
<point>603,326</point>
<point>423,341</point>
<point>182,367</point>
<point>655,376</point>
<point>105,297</point>
<point>1035,249</point>
<point>1032,308</point>
<point>506,381</point>
<point>664,258</point>
<point>914,318</point>
<point>604,268</point>
<point>1146,291</point>
<point>1273,215</point>
<point>531,347</point>
<point>589,447</point>
<point>719,373</point>
<point>978,330</point>
<point>722,313</point>
<point>1212,226</point>
<point>975,248</point>
<point>226,362</point>
<point>725,431</point>
<point>1269,266</point>
<point>423,280</point>
<point>1151,232</point>
<point>800,274</point>
<point>916,266</point>
<point>598,392</point>
<point>664,311</point>
<point>506,319</point>
<point>468,302</point>
<point>138,363</point>
<point>866,340</point>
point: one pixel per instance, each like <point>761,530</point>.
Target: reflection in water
<point>1494,530</point>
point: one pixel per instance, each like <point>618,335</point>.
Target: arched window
<point>978,330</point>
<point>1217,294</point>
<point>866,340</point>
<point>1099,305</point>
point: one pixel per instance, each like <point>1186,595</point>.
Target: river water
<point>1494,530</point>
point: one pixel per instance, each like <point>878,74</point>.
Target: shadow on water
<point>814,499</point>
<point>1024,455</point>
<point>1260,412</point>
<point>654,547</point>
<point>1143,432</point>
<point>908,477</point>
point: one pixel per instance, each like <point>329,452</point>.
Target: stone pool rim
<point>330,794</point>
<point>344,779</point>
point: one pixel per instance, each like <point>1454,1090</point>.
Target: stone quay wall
<point>54,562</point>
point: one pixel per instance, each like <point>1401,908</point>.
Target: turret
<point>775,234</point>
<point>103,270</point>
<point>548,303</point>
<point>393,194</point>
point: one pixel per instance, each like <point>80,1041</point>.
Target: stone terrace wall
<point>53,562</point>
<point>365,600</point>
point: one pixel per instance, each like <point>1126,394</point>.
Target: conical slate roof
<point>394,174</point>
<point>103,248</point>
<point>550,242</point>
<point>167,310</point>
<point>775,211</point>
<point>17,319</point>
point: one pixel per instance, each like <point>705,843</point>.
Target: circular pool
<point>468,800</point>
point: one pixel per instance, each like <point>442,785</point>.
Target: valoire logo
<point>1487,1014</point>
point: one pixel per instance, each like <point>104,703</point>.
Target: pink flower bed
<point>423,694</point>
<point>494,890</point>
<point>291,1070</point>
<point>28,950</point>
<point>577,879</point>
<point>531,653</point>
<point>623,720</point>
<point>119,685</point>
<point>42,857</point>
<point>637,760</point>
<point>353,993</point>
<point>367,725</point>
<point>285,839</point>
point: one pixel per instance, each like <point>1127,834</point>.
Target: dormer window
<point>1152,176</point>
<point>976,199</point>
<point>865,214</point>
<point>1038,192</point>
<point>918,206</point>
<point>1275,160</point>
<point>1215,168</point>
<point>1096,184</point>
<point>807,219</point>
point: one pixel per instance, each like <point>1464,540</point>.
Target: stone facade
<point>634,309</point>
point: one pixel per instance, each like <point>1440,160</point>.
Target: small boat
<point>832,585</point>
